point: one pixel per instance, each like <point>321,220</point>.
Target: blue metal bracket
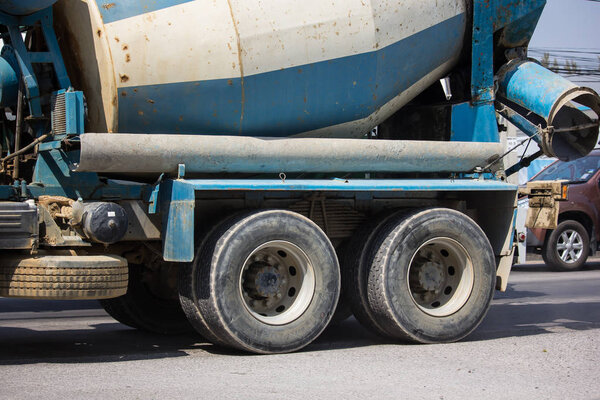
<point>153,207</point>
<point>517,16</point>
<point>177,201</point>
<point>482,62</point>
<point>25,58</point>
<point>180,171</point>
<point>474,123</point>
<point>73,119</point>
<point>53,177</point>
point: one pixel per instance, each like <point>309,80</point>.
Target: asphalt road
<point>541,339</point>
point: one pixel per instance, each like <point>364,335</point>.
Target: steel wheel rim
<point>440,277</point>
<point>569,246</point>
<point>277,282</point>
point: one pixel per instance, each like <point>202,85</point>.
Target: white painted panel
<point>188,42</point>
<point>276,34</point>
<point>399,19</point>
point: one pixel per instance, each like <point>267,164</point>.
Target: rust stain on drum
<point>108,6</point>
<point>239,48</point>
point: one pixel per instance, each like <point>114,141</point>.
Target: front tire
<point>143,307</point>
<point>263,282</point>
<point>567,247</point>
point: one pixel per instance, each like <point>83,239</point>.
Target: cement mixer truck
<point>254,170</point>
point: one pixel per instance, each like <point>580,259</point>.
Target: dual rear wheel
<point>269,281</point>
<point>424,276</point>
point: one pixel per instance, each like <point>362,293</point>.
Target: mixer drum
<point>255,67</point>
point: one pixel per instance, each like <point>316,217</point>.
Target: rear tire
<point>355,261</point>
<point>431,277</point>
<point>264,282</point>
<point>143,309</point>
<point>567,247</point>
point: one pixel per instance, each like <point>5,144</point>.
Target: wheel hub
<point>277,282</point>
<point>569,246</point>
<point>263,281</point>
<point>431,276</point>
<point>440,276</point>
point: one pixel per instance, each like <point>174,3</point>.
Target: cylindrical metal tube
<point>545,99</point>
<point>142,153</point>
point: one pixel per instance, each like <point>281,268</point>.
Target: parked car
<point>567,247</point>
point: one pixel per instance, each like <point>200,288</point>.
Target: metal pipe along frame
<point>143,153</point>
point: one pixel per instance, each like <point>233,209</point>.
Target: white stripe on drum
<point>197,41</point>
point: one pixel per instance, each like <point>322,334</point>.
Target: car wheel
<point>567,247</point>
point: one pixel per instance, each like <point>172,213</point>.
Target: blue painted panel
<point>474,123</point>
<point>414,185</point>
<point>510,11</point>
<point>114,10</point>
<point>177,208</point>
<point>519,32</point>
<point>293,100</point>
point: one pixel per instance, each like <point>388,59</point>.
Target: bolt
<point>278,295</point>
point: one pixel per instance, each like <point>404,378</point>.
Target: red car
<point>567,247</point>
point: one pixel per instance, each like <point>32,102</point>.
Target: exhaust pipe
<point>541,104</point>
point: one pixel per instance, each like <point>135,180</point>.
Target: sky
<point>571,25</point>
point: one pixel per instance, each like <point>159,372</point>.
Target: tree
<point>571,67</point>
<point>545,61</point>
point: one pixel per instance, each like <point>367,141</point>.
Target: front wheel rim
<point>440,277</point>
<point>277,282</point>
<point>569,246</point>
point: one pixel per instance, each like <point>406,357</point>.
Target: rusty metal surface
<point>139,153</point>
<point>544,197</point>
